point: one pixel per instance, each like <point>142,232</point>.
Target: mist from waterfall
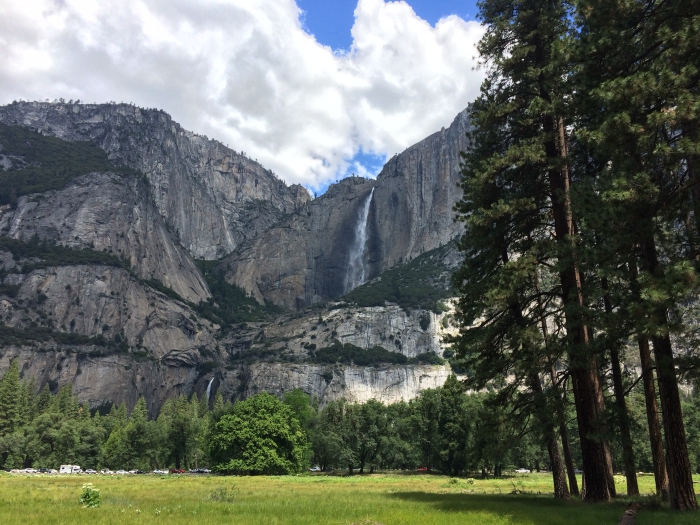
<point>209,389</point>
<point>355,274</point>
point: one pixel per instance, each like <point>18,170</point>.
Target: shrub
<point>428,358</point>
<point>222,494</point>
<point>351,354</point>
<point>90,498</point>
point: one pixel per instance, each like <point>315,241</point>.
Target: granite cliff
<point>99,286</point>
<point>211,196</point>
<point>308,257</point>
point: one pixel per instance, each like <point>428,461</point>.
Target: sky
<point>316,90</point>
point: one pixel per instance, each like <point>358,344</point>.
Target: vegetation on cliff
<point>229,304</point>
<point>35,254</point>
<point>418,284</point>
<point>41,163</point>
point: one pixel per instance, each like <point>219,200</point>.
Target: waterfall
<point>209,389</point>
<point>355,275</point>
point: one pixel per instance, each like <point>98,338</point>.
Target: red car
<point>177,471</point>
<point>423,469</point>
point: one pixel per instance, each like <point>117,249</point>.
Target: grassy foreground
<point>390,499</point>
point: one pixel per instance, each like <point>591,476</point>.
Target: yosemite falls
<point>356,260</point>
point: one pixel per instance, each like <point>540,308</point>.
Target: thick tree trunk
<point>681,491</point>
<point>655,438</point>
<point>561,490</point>
<point>680,478</point>
<point>588,394</point>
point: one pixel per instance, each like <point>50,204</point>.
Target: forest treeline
<point>445,430</point>
<point>581,211</point>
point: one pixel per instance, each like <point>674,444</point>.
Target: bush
<point>351,354</point>
<point>90,497</point>
<point>428,358</point>
<point>222,494</point>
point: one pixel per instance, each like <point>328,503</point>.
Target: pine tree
<point>519,218</point>
<point>10,400</point>
<point>638,98</point>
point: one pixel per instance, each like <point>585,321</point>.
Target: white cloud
<point>247,74</point>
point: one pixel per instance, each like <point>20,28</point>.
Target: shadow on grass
<point>521,509</point>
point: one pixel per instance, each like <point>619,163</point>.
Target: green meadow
<point>389,499</point>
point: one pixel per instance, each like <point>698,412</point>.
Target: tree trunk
<point>564,433</point>
<point>623,414</point>
<point>561,490</point>
<point>681,491</point>
<point>588,394</point>
<point>655,438</point>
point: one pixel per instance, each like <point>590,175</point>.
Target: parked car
<point>106,471</point>
<point>90,471</point>
<point>177,470</point>
<point>522,471</point>
<point>158,471</point>
<point>133,471</point>
<point>141,472</point>
<point>200,471</point>
<point>422,469</point>
<point>121,472</point>
<point>315,469</point>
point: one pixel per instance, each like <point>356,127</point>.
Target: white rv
<point>69,469</point>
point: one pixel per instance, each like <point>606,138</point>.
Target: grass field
<point>390,499</point>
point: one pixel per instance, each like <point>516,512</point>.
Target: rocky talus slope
<point>306,257</point>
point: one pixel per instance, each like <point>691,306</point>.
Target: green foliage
<point>90,498</point>
<point>45,163</point>
<point>229,303</point>
<point>418,284</point>
<point>428,358</point>
<point>350,354</point>
<point>260,436</point>
<point>41,334</point>
<point>55,255</point>
<point>9,290</point>
<point>10,408</point>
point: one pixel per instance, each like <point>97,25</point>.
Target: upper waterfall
<point>355,275</point>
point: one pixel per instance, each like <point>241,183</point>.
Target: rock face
<point>355,384</point>
<point>212,197</point>
<point>108,212</point>
<point>409,333</point>
<point>114,335</point>
<point>306,258</point>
